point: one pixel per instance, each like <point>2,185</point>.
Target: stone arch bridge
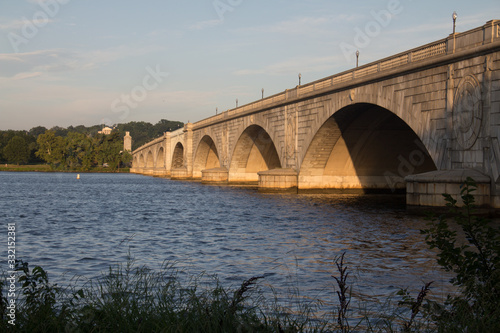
<point>421,121</point>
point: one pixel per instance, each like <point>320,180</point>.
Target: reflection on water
<point>80,227</point>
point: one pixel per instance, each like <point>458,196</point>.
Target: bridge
<point>420,121</point>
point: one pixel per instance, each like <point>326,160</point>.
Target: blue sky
<point>87,62</point>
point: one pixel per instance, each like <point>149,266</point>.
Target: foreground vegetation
<point>136,299</point>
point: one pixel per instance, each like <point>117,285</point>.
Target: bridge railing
<point>424,52</point>
<point>173,134</point>
<point>454,42</point>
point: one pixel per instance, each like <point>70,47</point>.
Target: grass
<point>47,168</point>
<point>25,168</point>
<point>131,298</point>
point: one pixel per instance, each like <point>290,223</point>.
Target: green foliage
<point>38,309</point>
<point>17,150</point>
<point>136,299</point>
<point>52,149</point>
<point>474,258</point>
<point>81,152</point>
<point>7,136</point>
<point>76,148</point>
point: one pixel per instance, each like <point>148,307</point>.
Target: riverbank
<point>47,168</point>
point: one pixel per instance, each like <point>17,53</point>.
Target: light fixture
<point>454,16</point>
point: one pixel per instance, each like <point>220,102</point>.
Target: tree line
<point>78,147</point>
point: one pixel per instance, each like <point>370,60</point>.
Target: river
<point>80,227</point>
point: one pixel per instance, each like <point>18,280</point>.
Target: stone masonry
<point>435,108</point>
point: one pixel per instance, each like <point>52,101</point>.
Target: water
<point>81,227</point>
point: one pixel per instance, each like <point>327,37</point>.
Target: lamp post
<point>236,102</point>
<point>300,77</point>
<point>357,58</point>
<point>454,16</point>
<point>262,93</point>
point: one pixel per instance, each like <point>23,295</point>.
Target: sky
<point>89,62</point>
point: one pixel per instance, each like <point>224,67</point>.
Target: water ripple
<point>82,227</point>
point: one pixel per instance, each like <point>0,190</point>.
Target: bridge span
<point>420,121</point>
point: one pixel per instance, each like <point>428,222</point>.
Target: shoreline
<point>46,168</point>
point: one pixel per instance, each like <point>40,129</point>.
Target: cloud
<point>22,76</point>
<point>12,65</point>
<point>205,24</point>
<point>306,25</point>
<point>18,24</point>
<point>11,24</point>
<point>63,60</point>
<point>295,65</point>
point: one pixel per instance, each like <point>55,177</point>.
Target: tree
<point>79,149</point>
<point>36,131</point>
<point>52,149</point>
<point>17,150</point>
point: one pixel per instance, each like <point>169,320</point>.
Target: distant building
<point>106,131</point>
<point>127,142</point>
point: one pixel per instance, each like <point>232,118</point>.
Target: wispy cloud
<point>63,60</point>
<point>294,65</point>
<point>306,25</point>
<point>205,24</point>
<point>9,25</point>
<point>22,76</point>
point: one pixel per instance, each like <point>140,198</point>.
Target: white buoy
<point>78,176</point>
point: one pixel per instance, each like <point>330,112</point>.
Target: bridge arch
<point>160,158</point>
<point>142,163</point>
<point>365,147</point>
<point>178,156</point>
<point>254,152</point>
<point>411,114</point>
<point>206,156</point>
<point>150,162</point>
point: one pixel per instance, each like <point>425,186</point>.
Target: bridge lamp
<point>300,77</point>
<point>357,58</point>
<point>454,16</point>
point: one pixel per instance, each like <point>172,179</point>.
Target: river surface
<point>81,227</point>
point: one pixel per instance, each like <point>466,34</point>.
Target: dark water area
<point>81,227</point>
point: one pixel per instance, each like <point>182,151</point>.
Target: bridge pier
<point>215,176</point>
<point>180,174</point>
<point>278,180</point>
<point>427,189</point>
<point>160,173</point>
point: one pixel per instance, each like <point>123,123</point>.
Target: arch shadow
<point>254,152</point>
<point>178,156</point>
<point>206,156</point>
<point>363,147</point>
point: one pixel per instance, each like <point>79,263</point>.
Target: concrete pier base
<point>215,175</point>
<point>160,173</point>
<point>179,174</point>
<point>426,189</point>
<point>278,180</point>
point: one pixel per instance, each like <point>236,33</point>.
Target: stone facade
<point>127,142</point>
<point>436,107</point>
